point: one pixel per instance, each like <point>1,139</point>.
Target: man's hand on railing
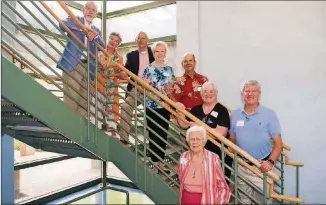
<point>91,34</point>
<point>230,149</point>
<point>265,166</point>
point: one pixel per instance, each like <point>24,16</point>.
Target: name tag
<point>198,89</point>
<point>214,114</point>
<point>240,123</point>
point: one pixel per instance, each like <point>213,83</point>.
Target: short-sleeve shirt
<point>253,132</point>
<point>218,116</point>
<point>157,77</point>
<point>187,89</point>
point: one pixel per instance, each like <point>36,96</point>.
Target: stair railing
<point>146,88</point>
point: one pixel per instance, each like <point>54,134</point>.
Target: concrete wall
<point>281,44</point>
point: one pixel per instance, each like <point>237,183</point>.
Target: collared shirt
<point>158,77</point>
<point>143,62</point>
<point>88,26</point>
<point>253,132</point>
<point>187,89</point>
<point>85,39</point>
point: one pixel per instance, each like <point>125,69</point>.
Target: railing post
<point>88,87</point>
<point>223,157</point>
<point>96,100</point>
<point>103,164</point>
<point>297,182</point>
<point>282,175</point>
<point>235,178</point>
<point>136,130</point>
<point>264,188</point>
<point>145,138</point>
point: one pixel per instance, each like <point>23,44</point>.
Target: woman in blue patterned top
<point>158,75</point>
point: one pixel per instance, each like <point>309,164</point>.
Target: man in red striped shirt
<point>186,88</point>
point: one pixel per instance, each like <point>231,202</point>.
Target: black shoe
<point>104,127</point>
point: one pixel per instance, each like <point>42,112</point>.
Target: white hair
<point>91,2</point>
<point>162,43</point>
<point>250,82</point>
<point>206,85</point>
<point>194,129</point>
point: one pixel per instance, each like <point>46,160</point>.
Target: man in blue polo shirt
<point>253,128</point>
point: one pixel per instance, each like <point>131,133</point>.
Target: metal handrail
<point>223,142</point>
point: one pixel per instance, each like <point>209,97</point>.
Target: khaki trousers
<point>257,181</point>
<point>77,84</point>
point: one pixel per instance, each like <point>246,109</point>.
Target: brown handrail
<point>169,101</point>
<point>166,99</point>
<point>24,63</point>
<point>272,194</point>
<point>288,162</point>
<point>273,175</point>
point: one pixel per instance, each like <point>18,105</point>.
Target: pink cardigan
<point>215,188</point>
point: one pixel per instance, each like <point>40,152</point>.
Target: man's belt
<point>250,163</point>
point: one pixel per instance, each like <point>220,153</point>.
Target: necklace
<point>194,174</point>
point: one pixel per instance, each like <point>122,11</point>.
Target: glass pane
<point>54,6</point>
<point>156,22</point>
<point>118,5</point>
<point>38,181</point>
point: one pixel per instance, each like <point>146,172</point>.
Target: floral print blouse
<point>157,77</point>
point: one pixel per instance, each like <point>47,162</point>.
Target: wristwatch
<point>271,161</point>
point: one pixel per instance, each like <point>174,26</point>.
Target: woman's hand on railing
<point>123,75</point>
<point>192,124</point>
<point>179,106</point>
<point>169,89</point>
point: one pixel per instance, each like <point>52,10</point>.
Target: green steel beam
<point>47,34</point>
<point>28,29</point>
<point>79,7</point>
<point>39,162</point>
<point>36,100</point>
<point>165,39</point>
<point>139,8</point>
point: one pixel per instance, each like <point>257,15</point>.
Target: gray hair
<point>194,129</point>
<point>91,2</point>
<point>208,84</point>
<point>136,38</point>
<point>115,34</point>
<point>193,55</point>
<point>250,82</point>
<point>162,43</point>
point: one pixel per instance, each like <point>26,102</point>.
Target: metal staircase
<point>36,116</point>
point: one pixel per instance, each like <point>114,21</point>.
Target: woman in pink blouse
<point>200,174</point>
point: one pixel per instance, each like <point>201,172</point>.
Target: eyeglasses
<point>250,91</point>
<point>197,139</point>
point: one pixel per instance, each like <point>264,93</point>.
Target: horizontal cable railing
<point>140,117</point>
